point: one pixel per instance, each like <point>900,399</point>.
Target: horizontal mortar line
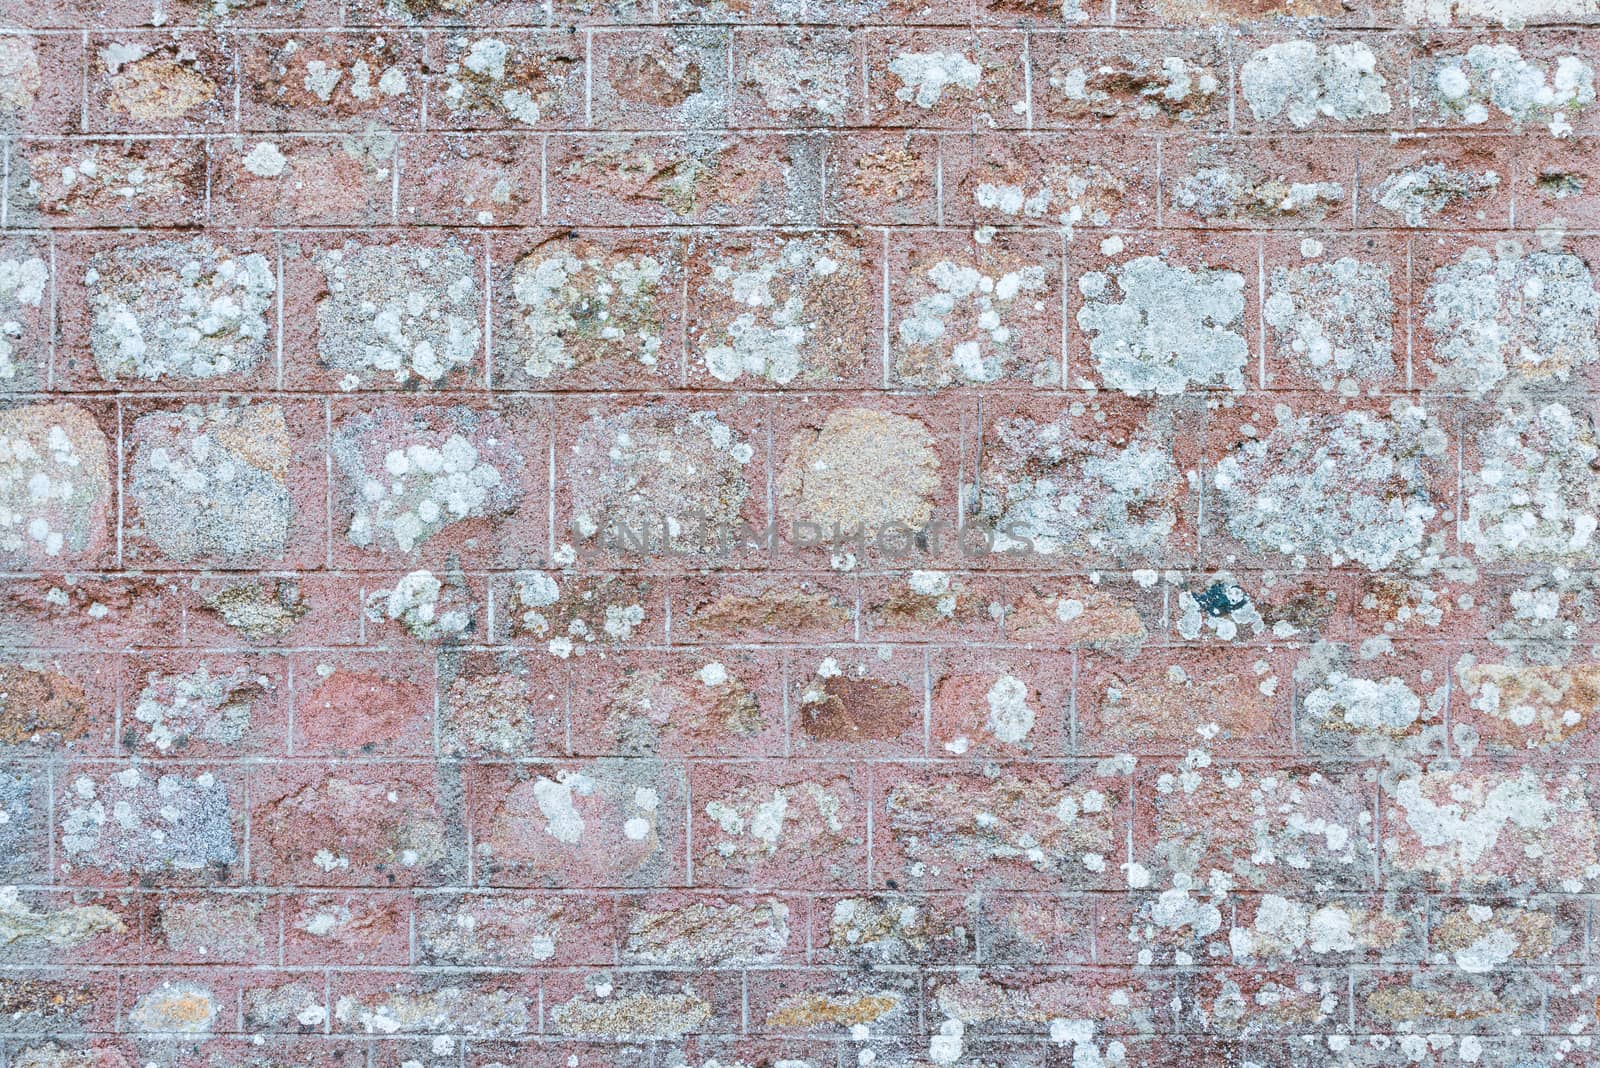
<point>1265,134</point>
<point>964,230</point>
<point>1321,25</point>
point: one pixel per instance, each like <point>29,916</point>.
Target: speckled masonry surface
<point>799,533</point>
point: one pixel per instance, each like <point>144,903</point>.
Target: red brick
<point>777,825</point>
<point>347,927</point>
<point>537,825</point>
<point>158,82</point>
<point>886,177</point>
<point>659,179</point>
<point>192,705</point>
<point>330,80</point>
<point>703,702</point>
<point>338,824</point>
<point>147,182</point>
<point>1027,826</point>
<point>325,180</point>
<point>595,309</point>
<point>1100,79</point>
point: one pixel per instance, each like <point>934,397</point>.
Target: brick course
<point>798,533</point>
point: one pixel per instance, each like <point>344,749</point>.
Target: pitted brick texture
<point>799,533</point>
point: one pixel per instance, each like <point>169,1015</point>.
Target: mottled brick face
<point>799,533</point>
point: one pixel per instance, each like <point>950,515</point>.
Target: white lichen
<point>1172,327</point>
<point>1302,82</point>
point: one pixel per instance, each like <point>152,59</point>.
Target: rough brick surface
<point>799,533</point>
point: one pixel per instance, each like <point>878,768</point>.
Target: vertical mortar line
<point>1027,76</point>
<point>425,94</point>
<point>1355,192</point>
<point>588,79</point>
<point>744,1000</point>
<point>245,792</point>
<point>5,195</point>
<point>55,312</point>
<point>293,699</point>
<point>973,496</point>
<point>50,816</point>
<point>205,204</point>
<point>1072,704</point>
<point>683,326</point>
<point>278,327</point>
<point>488,313</point>
<point>550,499</point>
<point>784,677</point>
<point>885,383</point>
<point>1377,835</point>
<point>1133,814</point>
<point>666,598</point>
<point>927,702</point>
<point>856,630</point>
<point>544,175</point>
<point>866,78</point>
<point>771,517</point>
<point>238,80</point>
<point>1232,86</point>
<point>489,603</point>
<point>1261,309</point>
<point>1449,698</point>
<point>938,181</point>
<point>1410,317</point>
<point>394,180</point>
<point>469,800</point>
<point>688,826</point>
<point>283,922</point>
<point>1161,194</point>
<point>1294,718</point>
<point>1461,460</point>
<point>1066,335</point>
<point>872,803</point>
<point>566,708</point>
<point>438,746</point>
<point>327,492</point>
<point>1094,928</point>
<point>83,86</point>
<point>120,447</point>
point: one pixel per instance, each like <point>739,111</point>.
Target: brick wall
<point>798,533</point>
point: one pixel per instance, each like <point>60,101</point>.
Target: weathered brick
<point>695,533</point>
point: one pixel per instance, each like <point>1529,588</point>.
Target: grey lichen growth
<point>259,610</point>
<point>1343,487</point>
<point>1496,315</point>
<point>660,471</point>
<point>22,287</point>
<point>401,312</point>
<point>577,304</point>
<point>1418,195</point>
<point>435,478</point>
<point>1495,75</point>
<point>932,351</point>
<point>1535,493</point>
<point>796,311</point>
<point>1172,327</point>
<point>1302,82</point>
<point>1221,193</point>
<point>1069,493</point>
<point>189,310</point>
<point>213,481</point>
<point>1334,320</point>
<point>130,822</point>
